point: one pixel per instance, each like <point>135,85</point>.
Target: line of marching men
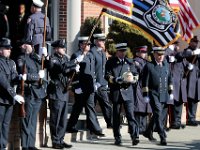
<point>141,86</point>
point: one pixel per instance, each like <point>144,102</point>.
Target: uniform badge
<point>54,61</point>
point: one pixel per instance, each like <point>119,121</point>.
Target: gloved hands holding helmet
<point>128,77</point>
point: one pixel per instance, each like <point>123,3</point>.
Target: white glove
<point>146,99</point>
<point>196,52</point>
<point>77,68</point>
<point>41,74</point>
<point>171,59</point>
<point>171,97</point>
<point>78,91</point>
<point>119,80</point>
<point>80,58</point>
<point>97,85</point>
<point>19,99</point>
<point>135,78</point>
<point>43,51</point>
<point>23,77</point>
<point>190,66</point>
<point>172,47</point>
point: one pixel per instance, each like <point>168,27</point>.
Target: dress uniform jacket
<point>157,82</point>
<point>101,94</point>
<point>100,63</point>
<point>86,76</point>
<point>33,65</point>
<point>140,105</point>
<point>114,69</point>
<point>179,81</point>
<point>157,85</point>
<point>8,76</point>
<point>84,80</point>
<point>35,29</point>
<point>59,68</point>
<point>193,80</point>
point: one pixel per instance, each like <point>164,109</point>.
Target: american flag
<point>175,5</point>
<point>154,18</point>
<point>123,6</point>
<point>187,19</point>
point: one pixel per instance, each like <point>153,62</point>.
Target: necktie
<point>122,61</point>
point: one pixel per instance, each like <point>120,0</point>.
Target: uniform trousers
<point>159,116</point>
<point>101,95</point>
<point>132,124</point>
<point>29,123</point>
<point>142,121</point>
<point>5,118</point>
<point>58,120</point>
<point>84,100</point>
<point>177,112</point>
<point>192,109</point>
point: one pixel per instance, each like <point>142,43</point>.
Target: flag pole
<point>45,139</point>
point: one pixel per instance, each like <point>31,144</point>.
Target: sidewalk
<point>188,138</point>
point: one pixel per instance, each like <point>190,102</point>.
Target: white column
<point>73,25</point>
<point>55,18</point>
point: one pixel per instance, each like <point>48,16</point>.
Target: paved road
<point>188,138</point>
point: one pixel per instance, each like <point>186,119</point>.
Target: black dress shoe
<point>192,123</point>
<point>66,145</point>
<point>149,136</point>
<point>57,146</point>
<point>72,130</point>
<point>163,141</point>
<point>98,133</point>
<point>118,141</point>
<point>175,126</point>
<point>135,141</point>
<point>25,148</point>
